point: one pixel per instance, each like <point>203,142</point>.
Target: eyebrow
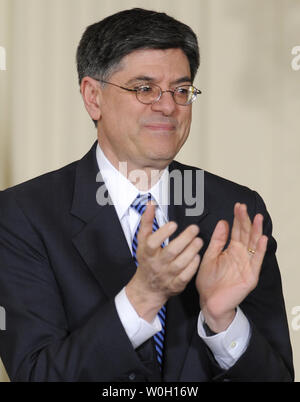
<point>181,80</point>
<point>151,79</point>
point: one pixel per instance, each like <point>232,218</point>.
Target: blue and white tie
<point>139,204</point>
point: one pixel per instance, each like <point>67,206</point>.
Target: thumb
<point>218,240</point>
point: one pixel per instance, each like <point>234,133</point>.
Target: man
<point>112,291</point>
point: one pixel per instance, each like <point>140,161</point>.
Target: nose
<point>166,104</point>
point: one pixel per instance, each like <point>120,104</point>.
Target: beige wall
<point>246,125</point>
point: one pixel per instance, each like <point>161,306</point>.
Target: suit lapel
<point>98,236</point>
<point>104,248</point>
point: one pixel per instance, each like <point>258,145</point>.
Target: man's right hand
<point>162,272</point>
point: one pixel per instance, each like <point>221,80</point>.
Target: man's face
<point>145,136</point>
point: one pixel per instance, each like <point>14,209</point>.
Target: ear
<point>90,91</point>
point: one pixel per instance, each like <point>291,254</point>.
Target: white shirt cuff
<point>137,329</point>
<point>228,346</point>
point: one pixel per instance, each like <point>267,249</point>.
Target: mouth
<point>160,127</point>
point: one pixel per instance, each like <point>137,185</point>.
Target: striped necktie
<point>139,204</point>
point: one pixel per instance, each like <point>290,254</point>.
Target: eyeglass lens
<point>151,93</point>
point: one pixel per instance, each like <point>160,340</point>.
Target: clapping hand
<point>227,276</point>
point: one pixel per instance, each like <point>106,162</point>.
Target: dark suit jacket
<point>63,258</point>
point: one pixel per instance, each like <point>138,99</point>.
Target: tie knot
<point>139,204</point>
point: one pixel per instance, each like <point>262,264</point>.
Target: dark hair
<point>104,44</point>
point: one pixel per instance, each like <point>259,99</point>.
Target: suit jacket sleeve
<point>38,344</point>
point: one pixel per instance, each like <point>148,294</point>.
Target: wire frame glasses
<point>149,93</point>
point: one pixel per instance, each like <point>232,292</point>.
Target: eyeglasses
<point>148,94</point>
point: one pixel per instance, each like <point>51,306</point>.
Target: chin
<point>161,158</point>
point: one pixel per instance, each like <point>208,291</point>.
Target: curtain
<point>245,125</point>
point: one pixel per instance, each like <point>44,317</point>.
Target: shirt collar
<point>122,192</point>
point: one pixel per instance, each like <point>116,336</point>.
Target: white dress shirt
<point>227,346</point>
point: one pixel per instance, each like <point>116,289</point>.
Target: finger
<point>245,225</point>
<point>218,240</point>
<point>236,230</point>
<point>256,232</point>
<point>146,222</point>
<point>187,255</point>
<point>257,258</point>
<point>241,229</point>
<point>177,245</point>
<point>186,275</point>
<point>153,241</point>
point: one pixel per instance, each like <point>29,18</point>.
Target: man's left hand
<point>226,277</point>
